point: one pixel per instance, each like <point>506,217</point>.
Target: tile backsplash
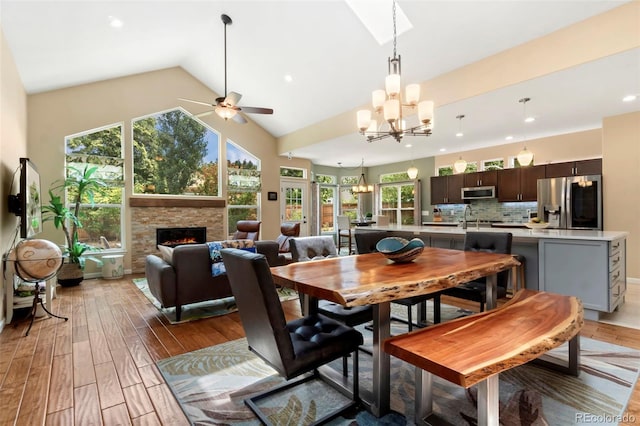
<point>487,210</point>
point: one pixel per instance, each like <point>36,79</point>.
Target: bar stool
<point>517,276</point>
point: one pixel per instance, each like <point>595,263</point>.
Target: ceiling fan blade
<point>196,102</point>
<point>203,114</point>
<point>238,118</point>
<point>232,98</point>
<point>256,110</point>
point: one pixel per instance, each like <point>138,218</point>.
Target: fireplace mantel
<point>175,202</point>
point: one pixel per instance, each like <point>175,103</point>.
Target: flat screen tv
<point>27,203</point>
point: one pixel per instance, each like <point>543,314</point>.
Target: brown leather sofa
<point>188,278</point>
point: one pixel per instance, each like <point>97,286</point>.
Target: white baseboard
<point>2,324</point>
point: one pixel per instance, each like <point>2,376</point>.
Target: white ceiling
<point>333,59</point>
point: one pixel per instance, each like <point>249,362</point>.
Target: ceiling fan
<point>227,106</point>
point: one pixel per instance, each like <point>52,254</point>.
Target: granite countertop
<point>525,233</point>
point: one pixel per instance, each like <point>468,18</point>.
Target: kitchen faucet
<point>464,221</point>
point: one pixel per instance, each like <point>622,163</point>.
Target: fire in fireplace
<point>172,237</point>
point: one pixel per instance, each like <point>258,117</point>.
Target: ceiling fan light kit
<point>226,106</point>
<point>390,104</point>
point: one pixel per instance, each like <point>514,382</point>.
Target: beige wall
<point>621,182</point>
<point>13,145</point>
<point>56,114</point>
<point>553,149</point>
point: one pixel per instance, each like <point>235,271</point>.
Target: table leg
<point>488,393</point>
<point>492,291</point>
<point>424,396</point>
<point>381,360</point>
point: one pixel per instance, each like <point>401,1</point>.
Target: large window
<point>175,154</point>
<point>102,220</point>
<point>243,185</point>
<point>328,195</point>
<point>348,200</point>
<point>398,198</point>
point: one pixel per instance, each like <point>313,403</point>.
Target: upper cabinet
<point>575,168</point>
<point>488,178</point>
<point>519,184</point>
<point>447,189</point>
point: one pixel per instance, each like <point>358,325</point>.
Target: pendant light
<point>525,157</point>
<point>362,187</point>
<point>460,165</point>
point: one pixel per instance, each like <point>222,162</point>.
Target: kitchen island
<point>588,264</point>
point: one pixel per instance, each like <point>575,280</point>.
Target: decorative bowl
<point>400,250</point>
<point>538,225</point>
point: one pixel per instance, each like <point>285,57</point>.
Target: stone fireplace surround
<point>147,214</point>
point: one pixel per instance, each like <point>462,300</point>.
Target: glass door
<point>294,203</point>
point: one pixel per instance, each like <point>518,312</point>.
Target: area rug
<point>210,308</point>
<point>210,384</point>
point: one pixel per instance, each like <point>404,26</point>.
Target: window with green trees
<point>101,218</point>
<point>328,195</point>
<point>348,200</point>
<point>175,154</point>
<point>292,172</point>
<point>397,198</point>
<point>243,185</point>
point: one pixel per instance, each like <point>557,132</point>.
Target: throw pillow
<point>167,253</point>
<point>217,266</point>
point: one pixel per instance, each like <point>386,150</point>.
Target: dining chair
<point>345,231</point>
<point>366,243</point>
<point>381,220</point>
<point>292,348</point>
<point>492,242</point>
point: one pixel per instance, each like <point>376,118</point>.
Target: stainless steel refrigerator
<point>573,202</point>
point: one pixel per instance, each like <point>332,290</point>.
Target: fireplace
<point>172,237</point>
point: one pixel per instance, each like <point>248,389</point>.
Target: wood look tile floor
<point>99,367</point>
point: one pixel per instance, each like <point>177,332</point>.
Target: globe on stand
<point>35,260</point>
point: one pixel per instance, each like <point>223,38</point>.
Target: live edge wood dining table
<point>372,279</point>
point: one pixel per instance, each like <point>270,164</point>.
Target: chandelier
<point>362,187</point>
<point>390,104</point>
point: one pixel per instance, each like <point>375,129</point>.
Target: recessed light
<point>459,134</point>
<point>443,149</point>
<point>629,98</point>
<point>529,119</point>
<point>508,138</point>
<point>115,22</point>
<point>288,78</point>
<point>408,145</point>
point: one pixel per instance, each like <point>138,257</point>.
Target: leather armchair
<point>247,230</point>
<point>288,230</point>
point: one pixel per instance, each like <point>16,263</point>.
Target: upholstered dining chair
<point>366,243</point>
<point>321,247</point>
<point>247,230</point>
<point>492,242</point>
<point>288,230</point>
<point>345,232</point>
<point>292,348</point>
<point>381,220</point>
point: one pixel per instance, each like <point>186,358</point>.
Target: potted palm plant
<point>81,185</point>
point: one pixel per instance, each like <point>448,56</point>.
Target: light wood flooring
<point>99,367</point>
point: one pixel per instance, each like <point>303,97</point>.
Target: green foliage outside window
<point>174,154</point>
<point>325,179</point>
<point>291,172</point>
<point>493,164</point>
<point>445,171</point>
<point>394,177</point>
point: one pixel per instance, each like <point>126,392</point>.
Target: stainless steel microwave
<point>478,192</point>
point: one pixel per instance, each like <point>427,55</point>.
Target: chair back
<point>312,248</point>
<point>259,307</point>
<point>247,230</point>
<point>287,230</point>
<point>366,241</point>
<point>381,220</point>
<point>491,242</point>
<point>343,222</point>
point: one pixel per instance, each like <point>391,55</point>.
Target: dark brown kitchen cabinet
<point>446,189</point>
<point>575,168</point>
<point>520,183</point>
<point>487,178</point>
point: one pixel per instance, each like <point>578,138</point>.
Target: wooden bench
<point>475,349</point>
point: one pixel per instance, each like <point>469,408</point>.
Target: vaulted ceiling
<point>333,60</point>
